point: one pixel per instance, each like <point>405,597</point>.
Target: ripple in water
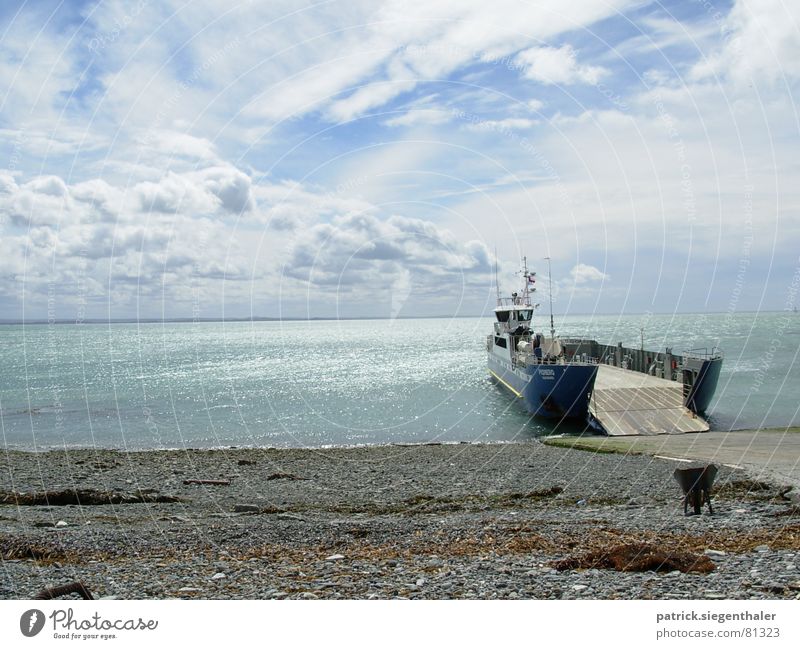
<point>327,383</point>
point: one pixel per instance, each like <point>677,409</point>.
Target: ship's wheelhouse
<point>509,318</point>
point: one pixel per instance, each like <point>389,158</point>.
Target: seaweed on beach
<point>638,557</point>
<point>429,504</point>
<point>11,549</point>
<point>749,489</point>
<point>83,497</point>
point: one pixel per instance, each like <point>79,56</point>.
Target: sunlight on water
<point>337,382</point>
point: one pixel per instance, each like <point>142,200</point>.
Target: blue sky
<point>208,158</point>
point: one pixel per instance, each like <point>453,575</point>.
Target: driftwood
<point>220,483</point>
<point>284,476</point>
<point>66,589</point>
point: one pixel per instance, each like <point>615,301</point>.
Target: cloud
<point>368,97</point>
<point>361,252</point>
<point>121,155</point>
<point>174,193</point>
<point>392,55</point>
<point>535,105</point>
<point>48,185</point>
<point>108,200</point>
<point>761,43</point>
<point>38,68</point>
<point>201,192</point>
<point>182,144</point>
<point>289,205</point>
<point>41,201</point>
<point>585,274</point>
<point>500,125</point>
<point>230,186</point>
<point>151,239</point>
<point>421,117</point>
<point>557,66</point>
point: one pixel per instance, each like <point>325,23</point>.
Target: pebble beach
<point>441,521</point>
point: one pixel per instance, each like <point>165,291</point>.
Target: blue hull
<point>554,391</point>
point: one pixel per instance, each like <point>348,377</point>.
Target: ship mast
<point>525,298</point>
<point>550,275</point>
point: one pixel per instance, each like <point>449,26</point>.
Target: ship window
<point>502,316</point>
<point>524,316</point>
<point>500,342</point>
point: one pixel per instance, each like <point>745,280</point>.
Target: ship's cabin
<point>508,314</point>
<point>514,318</point>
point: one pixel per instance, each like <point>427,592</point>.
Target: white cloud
<point>174,193</point>
<point>108,200</point>
<point>36,67</point>
<point>199,192</point>
<point>761,42</point>
<point>558,66</point>
<point>397,53</point>
<point>499,125</point>
<point>535,105</point>
<point>48,185</point>
<point>421,117</point>
<point>129,158</point>
<point>361,252</point>
<point>41,201</point>
<point>586,274</point>
<point>183,144</point>
<point>368,97</point>
<point>230,186</point>
<point>149,239</point>
<point>289,205</point>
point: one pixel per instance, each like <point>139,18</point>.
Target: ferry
<point>532,366</point>
<point>616,390</point>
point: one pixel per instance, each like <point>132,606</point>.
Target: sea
<point>326,383</point>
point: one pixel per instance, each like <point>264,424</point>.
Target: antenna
<point>525,280</point>
<point>496,278</point>
<point>550,276</point>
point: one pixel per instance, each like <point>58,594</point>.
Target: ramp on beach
<point>632,403</point>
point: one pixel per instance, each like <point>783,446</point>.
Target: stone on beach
<point>449,521</point>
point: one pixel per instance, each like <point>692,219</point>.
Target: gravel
<point>419,522</point>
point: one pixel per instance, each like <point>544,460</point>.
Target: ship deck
<point>626,402</point>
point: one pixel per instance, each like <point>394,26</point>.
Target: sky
<point>209,158</point>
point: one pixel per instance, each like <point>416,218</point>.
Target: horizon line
<point>187,320</point>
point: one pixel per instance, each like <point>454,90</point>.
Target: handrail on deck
<point>703,352</point>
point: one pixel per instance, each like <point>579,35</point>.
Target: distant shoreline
<point>96,321</point>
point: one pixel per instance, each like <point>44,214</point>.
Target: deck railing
<point>705,353</point>
<point>662,364</point>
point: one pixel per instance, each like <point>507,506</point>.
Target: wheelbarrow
<point>696,484</point>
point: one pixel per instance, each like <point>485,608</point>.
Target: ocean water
<point>323,383</point>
